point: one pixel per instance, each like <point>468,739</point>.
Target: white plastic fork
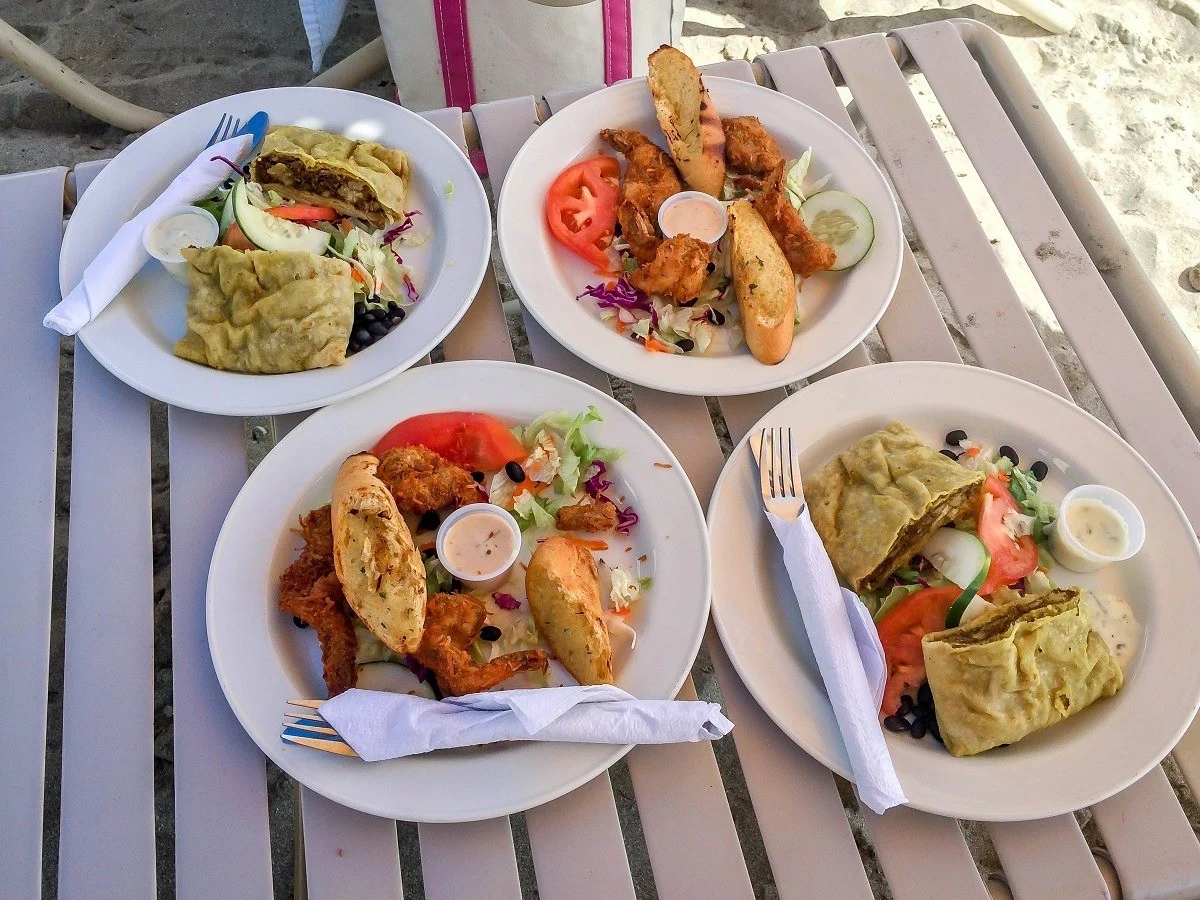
<point>308,728</point>
<point>779,474</point>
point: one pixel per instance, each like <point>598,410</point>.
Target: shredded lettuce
<point>1024,489</point>
<point>371,649</point>
<point>437,579</point>
<point>530,512</point>
<point>449,189</point>
<point>794,177</point>
<point>624,590</point>
<point>881,606</point>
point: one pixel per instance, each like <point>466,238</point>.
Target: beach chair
<point>747,817</point>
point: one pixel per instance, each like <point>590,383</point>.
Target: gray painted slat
<point>1047,857</point>
<point>222,846</point>
<point>499,123</point>
<point>1117,364</point>
<point>993,319</point>
<point>107,799</point>
<point>560,100</point>
<point>469,859</point>
<point>920,852</point>
<point>348,853</point>
<point>28,442</point>
<point>85,173</point>
<point>912,327</point>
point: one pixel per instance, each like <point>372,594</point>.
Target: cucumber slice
<point>958,555</point>
<point>843,222</point>
<point>976,608</point>
<point>958,608</point>
<point>227,213</point>
<point>271,232</point>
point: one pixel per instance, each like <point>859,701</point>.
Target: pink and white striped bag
<point>460,52</point>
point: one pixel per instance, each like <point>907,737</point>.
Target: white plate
<point>1080,761</point>
<point>134,337</point>
<point>263,660</point>
<point>839,308</point>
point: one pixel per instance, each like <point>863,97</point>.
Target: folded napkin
<point>122,257</point>
<point>321,19</point>
<point>849,656</point>
<point>382,725</point>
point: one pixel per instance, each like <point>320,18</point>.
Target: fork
<point>307,727</point>
<point>225,129</point>
<point>778,474</point>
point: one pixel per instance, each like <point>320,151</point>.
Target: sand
<point>1123,88</point>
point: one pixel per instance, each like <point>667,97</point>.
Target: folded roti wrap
<point>362,179</point>
<point>877,502</point>
<point>1016,669</point>
<point>266,312</point>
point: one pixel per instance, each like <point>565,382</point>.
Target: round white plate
<point>133,338</point>
<point>262,660</point>
<point>839,308</point>
<point>1073,764</point>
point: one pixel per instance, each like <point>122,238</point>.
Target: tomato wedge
<point>1012,559</point>
<point>900,632</point>
<point>309,213</point>
<point>475,441</point>
<point>236,238</point>
<point>581,208</point>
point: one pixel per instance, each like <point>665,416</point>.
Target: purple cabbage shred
<point>626,519</point>
<point>418,670</point>
<point>922,581</point>
<point>244,172</point>
<point>506,601</point>
<point>404,226</point>
<point>411,290</point>
<point>597,484</point>
<point>620,295</point>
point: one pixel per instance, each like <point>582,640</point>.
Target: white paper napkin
<point>382,725</point>
<point>849,656</point>
<point>122,257</point>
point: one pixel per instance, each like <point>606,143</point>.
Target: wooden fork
<point>305,726</point>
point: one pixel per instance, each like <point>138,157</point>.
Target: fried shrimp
<point>650,178</point>
<point>452,622</point>
<point>588,517</point>
<point>421,480</point>
<point>805,253</point>
<point>309,590</point>
<point>677,271</point>
<point>749,148</point>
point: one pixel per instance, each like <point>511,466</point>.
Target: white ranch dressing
<point>1112,618</point>
<point>478,546</point>
<point>166,239</point>
<point>1097,526</point>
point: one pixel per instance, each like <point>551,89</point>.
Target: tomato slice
<point>475,441</point>
<point>1012,559</point>
<point>306,213</point>
<point>236,238</point>
<point>581,208</point>
<point>900,632</point>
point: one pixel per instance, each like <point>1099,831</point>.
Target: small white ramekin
<point>176,264</point>
<point>694,195</point>
<point>1073,555</point>
<point>503,568</point>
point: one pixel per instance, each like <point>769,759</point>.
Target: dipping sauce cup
<point>177,228</point>
<point>1070,552</point>
<point>693,213</point>
<point>479,544</point>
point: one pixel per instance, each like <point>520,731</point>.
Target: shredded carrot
<point>622,612</point>
<point>657,346</point>
<point>663,466</point>
<point>345,225</point>
<point>588,545</point>
<point>357,275</point>
<point>973,452</point>
<point>534,487</point>
<point>1004,477</point>
<point>428,545</point>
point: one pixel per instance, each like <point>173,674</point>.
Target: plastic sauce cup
<point>707,216</point>
<point>1067,549</point>
<point>158,243</point>
<point>488,580</point>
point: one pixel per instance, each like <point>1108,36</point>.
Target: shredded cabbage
<point>624,589</point>
<point>437,579</point>
<point>794,178</point>
<point>530,512</point>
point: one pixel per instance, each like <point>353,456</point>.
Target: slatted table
<point>1141,365</point>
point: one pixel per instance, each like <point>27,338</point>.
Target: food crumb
<point>642,558</point>
<point>339,851</point>
<point>663,466</point>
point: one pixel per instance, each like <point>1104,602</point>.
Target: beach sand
<point>1123,88</point>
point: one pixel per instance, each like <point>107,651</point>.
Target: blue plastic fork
<point>225,129</point>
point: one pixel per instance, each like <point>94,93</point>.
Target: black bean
<point>1039,470</point>
<point>362,336</point>
<point>429,521</point>
<point>718,317</point>
<point>489,633</point>
<point>935,731</point>
<point>393,307</point>
<point>514,472</point>
<point>919,728</point>
<point>896,723</point>
<point>478,476</point>
<point>393,321</point>
<point>360,308</point>
<point>1010,454</point>
<point>687,345</point>
<point>299,622</point>
<point>398,315</point>
<point>949,453</point>
<point>456,585</point>
<point>925,695</point>
<point>354,347</point>
<point>906,706</point>
<point>956,437</point>
<point>377,328</point>
<point>711,267</point>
